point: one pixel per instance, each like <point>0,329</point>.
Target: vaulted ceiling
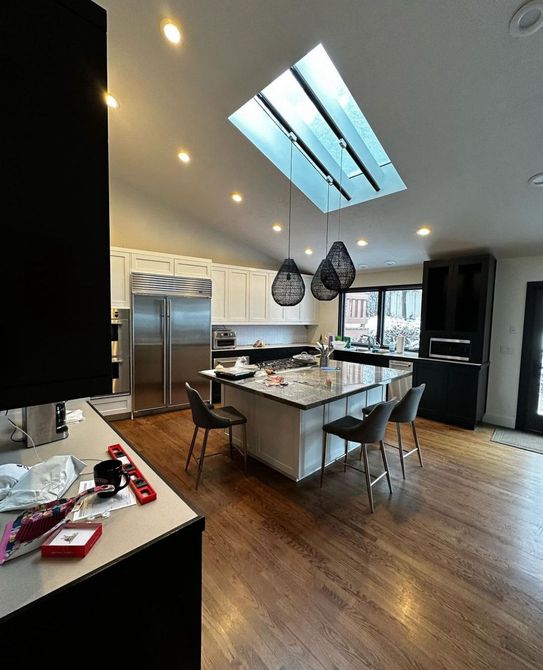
<point>455,100</point>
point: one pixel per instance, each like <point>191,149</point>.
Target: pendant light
<point>288,288</point>
<point>338,254</point>
<point>318,289</point>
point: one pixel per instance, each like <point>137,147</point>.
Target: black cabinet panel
<point>455,393</point>
<point>457,303</point>
<point>55,203</point>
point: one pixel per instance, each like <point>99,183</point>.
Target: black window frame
<point>381,290</point>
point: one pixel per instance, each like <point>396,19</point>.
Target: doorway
<point>530,395</point>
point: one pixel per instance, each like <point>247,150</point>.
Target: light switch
<point>512,329</point>
<point>506,350</point>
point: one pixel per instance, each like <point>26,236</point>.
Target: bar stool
<point>365,431</point>
<point>208,419</point>
<point>405,412</point>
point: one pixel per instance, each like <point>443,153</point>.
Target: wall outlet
<point>506,350</point>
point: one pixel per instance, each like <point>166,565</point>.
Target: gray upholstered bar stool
<point>210,419</point>
<point>364,432</point>
<point>405,412</point>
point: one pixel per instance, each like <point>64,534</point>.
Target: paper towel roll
<point>400,344</point>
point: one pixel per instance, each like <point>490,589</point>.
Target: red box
<point>72,540</point>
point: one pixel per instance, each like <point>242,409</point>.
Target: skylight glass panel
<point>288,97</point>
<point>311,102</point>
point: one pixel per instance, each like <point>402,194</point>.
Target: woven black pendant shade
<point>288,288</point>
<point>318,289</point>
<point>342,264</point>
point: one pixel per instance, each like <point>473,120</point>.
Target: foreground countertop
<point>308,387</point>
<point>28,578</point>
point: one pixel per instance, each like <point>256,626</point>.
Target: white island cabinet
<point>284,423</point>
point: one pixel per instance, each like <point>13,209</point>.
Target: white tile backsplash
<point>273,334</point>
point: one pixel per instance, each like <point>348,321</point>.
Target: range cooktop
<point>285,364</point>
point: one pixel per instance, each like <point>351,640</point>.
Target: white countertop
<point>28,578</point>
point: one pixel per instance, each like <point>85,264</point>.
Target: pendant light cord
<point>327,217</point>
<point>290,195</point>
<point>340,178</point>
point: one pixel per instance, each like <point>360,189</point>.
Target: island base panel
<point>289,439</point>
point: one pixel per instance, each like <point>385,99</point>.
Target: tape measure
<point>143,491</point>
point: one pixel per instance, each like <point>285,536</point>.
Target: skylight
<point>311,101</point>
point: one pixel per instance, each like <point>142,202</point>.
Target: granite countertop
<point>407,355</point>
<point>307,387</point>
<point>249,347</point>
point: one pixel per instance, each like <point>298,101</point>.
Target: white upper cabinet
<point>156,264</point>
<point>192,267</point>
<point>308,306</point>
<point>258,296</point>
<point>219,307</point>
<point>120,278</point>
<point>238,294</point>
<point>276,313</point>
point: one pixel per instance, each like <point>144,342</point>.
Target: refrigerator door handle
<point>169,350</point>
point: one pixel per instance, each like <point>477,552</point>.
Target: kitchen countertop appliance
<point>224,339</point>
<point>171,340</point>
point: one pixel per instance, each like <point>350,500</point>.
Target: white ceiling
<point>455,100</point>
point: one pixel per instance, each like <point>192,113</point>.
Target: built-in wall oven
<point>120,350</point>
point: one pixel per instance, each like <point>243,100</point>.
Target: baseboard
<point>500,420</point>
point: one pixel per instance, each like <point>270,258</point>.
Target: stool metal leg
<point>400,447</point>
<point>230,441</point>
<point>324,437</point>
<point>244,430</point>
<point>201,459</point>
<point>417,443</point>
<point>191,449</point>
<point>345,459</point>
<point>385,463</point>
<point>368,477</point>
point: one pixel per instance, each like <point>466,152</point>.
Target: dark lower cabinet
<point>455,393</point>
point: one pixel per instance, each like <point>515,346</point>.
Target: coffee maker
<point>45,423</point>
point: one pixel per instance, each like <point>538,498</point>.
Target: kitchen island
<point>284,423</point>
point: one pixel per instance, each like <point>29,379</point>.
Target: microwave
<point>449,349</point>
<point>224,339</point>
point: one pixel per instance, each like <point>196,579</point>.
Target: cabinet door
<point>275,311</point>
<point>258,296</point>
<point>219,277</point>
<point>238,295</point>
<point>157,265</point>
<point>120,279</point>
<point>433,404</point>
<point>308,306</point>
<point>191,267</point>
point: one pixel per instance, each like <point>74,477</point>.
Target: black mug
<point>110,473</point>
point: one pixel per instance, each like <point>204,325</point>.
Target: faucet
<point>371,341</point>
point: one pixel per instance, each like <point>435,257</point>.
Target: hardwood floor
<point>448,572</point>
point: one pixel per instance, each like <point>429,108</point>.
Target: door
<point>189,332</point>
<point>149,352</point>
<point>238,295</point>
<point>219,276</point>
<point>258,296</point>
<point>530,395</point>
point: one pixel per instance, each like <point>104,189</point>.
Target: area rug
<point>518,439</point>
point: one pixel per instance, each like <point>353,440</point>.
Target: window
<point>311,102</point>
<point>382,313</point>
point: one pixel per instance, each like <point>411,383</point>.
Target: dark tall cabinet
<point>457,303</point>
<point>54,329</point>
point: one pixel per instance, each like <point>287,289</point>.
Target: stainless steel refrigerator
<point>171,340</point>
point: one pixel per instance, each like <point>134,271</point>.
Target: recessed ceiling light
<point>171,31</point>
<point>183,156</point>
<point>277,227</point>
<point>536,180</point>
<point>390,262</point>
<point>362,267</point>
<point>423,231</point>
<point>236,197</point>
<point>527,20</point>
<point>111,101</point>
<point>308,251</point>
<point>362,243</point>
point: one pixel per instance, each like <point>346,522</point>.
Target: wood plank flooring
<point>448,572</point>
